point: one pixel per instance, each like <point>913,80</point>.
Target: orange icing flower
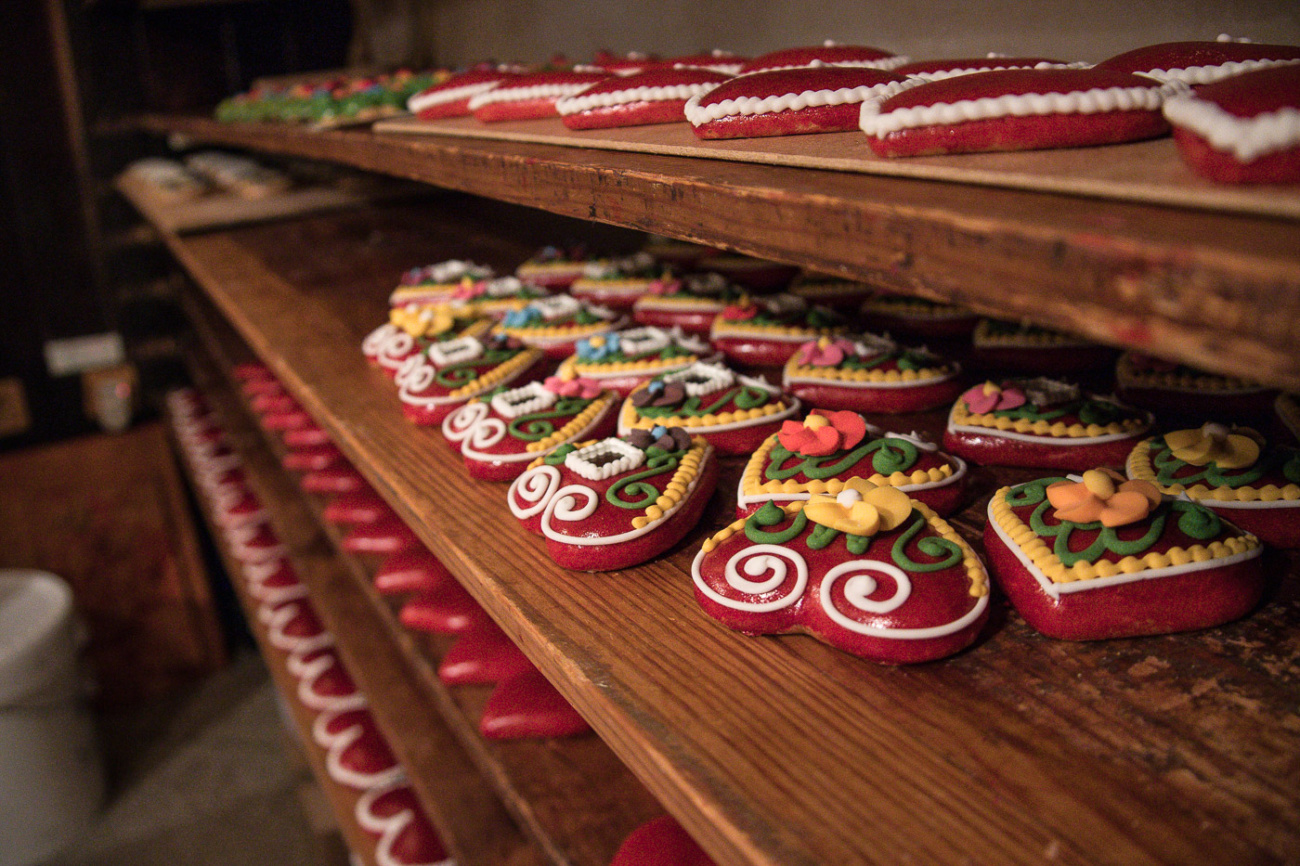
<point>1103,495</point>
<point>1214,443</point>
<point>823,433</point>
<point>861,508</point>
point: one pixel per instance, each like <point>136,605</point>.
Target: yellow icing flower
<point>1214,443</point>
<point>861,508</point>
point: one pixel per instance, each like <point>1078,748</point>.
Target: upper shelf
<point>1216,288</point>
<point>782,750</point>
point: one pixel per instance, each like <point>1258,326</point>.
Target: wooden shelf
<point>1220,290</point>
<point>547,785</point>
<point>781,750</point>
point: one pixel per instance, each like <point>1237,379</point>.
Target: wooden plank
<point>469,817</point>
<point>1215,289</point>
<point>576,799</point>
<point>781,750</point>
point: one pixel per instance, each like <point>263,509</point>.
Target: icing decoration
<point>392,812</point>
<point>829,53</point>
<point>1103,495</point>
<point>605,459</point>
<point>823,433</point>
<point>586,389</point>
<point>986,398</point>
<point>665,438</point>
<point>1215,444</point>
<point>825,352</point>
<point>1198,63</point>
<point>861,508</point>
<point>775,92</point>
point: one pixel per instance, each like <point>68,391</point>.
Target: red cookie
<point>447,375</point>
<point>733,412</point>
<point>690,303</point>
<point>340,478</point>
<point>451,97</point>
<point>870,374</point>
<point>527,706</point>
<point>789,101</point>
<point>623,360</point>
<point>716,60</point>
<point>1025,348</point>
<point>556,323</point>
<point>913,589</point>
<point>1168,387</point>
<point>918,318</point>
<point>649,97</point>
<point>362,506</point>
<point>661,842</point>
<point>1015,109</point>
<point>492,299</point>
<point>448,609</point>
<point>616,502</point>
<point>386,535</point>
<point>292,626</point>
<point>1243,129</point>
<point>767,331</point>
<point>414,570</point>
<point>254,542</point>
<point>822,453</point>
<point>500,435</point>
<point>632,63</point>
<point>312,457</point>
<point>616,283</point>
<point>309,436</point>
<point>356,753</point>
<point>323,683</point>
<point>553,267</point>
<point>392,812</point>
<point>758,275</point>
<point>1231,470</point>
<point>933,70</point>
<point>827,54</point>
<point>1042,423</point>
<point>483,655</point>
<point>1095,557</point>
<point>436,283</point>
<point>273,582</point>
<point>530,96</point>
<point>1198,63</point>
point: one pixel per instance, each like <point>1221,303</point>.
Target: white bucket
<point>51,779</point>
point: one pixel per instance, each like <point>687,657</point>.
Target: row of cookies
<point>1231,104</point>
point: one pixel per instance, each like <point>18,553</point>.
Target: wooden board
<point>224,209</point>
<point>780,750</point>
<point>1146,171</point>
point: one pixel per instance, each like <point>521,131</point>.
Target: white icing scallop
<point>528,93</point>
<point>699,114</point>
<point>700,378</point>
<point>1246,138</point>
<point>1195,75</point>
<point>663,93</point>
<point>530,492</point>
<point>421,101</point>
<point>1093,101</point>
<point>993,66</point>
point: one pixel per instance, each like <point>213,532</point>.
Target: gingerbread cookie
<point>451,98</point>
<point>1027,348</point>
<point>1196,63</point>
<point>501,432</point>
<point>554,267</point>
<point>766,331</point>
<point>789,101</point>
<point>870,373</point>
<point>622,360</point>
<point>733,412</point>
<point>648,97</point>
<point>1015,109</point>
<point>617,283</point>
<point>917,318</point>
<point>827,291</point>
<point>436,382</point>
<point>690,302</point>
<point>933,70</point>
<point>1094,557</point>
<point>826,450</point>
<point>1042,423</point>
<point>1169,387</point>
<point>1232,470</point>
<point>531,95</point>
<point>868,571</point>
<point>555,324</point>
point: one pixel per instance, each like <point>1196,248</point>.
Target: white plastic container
<point>51,778</point>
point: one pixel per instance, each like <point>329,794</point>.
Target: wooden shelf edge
<point>1219,291</point>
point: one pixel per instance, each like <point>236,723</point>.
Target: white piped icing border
<point>1194,75</point>
<point>667,93</point>
<point>528,93</point>
<point>751,105</point>
<point>421,101</point>
<point>1246,138</point>
<point>1094,101</point>
<point>992,66</point>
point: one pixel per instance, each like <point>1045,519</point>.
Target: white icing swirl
<point>1246,138</point>
<point>564,505</point>
<point>699,114</point>
<point>535,487</point>
<point>374,341</point>
<point>759,559</point>
<point>857,592</point>
<point>459,424</point>
<point>485,434</point>
<point>1093,101</point>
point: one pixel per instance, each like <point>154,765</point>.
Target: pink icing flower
<point>825,352</point>
<point>469,289</point>
<point>587,389</point>
<point>989,397</point>
<point>664,287</point>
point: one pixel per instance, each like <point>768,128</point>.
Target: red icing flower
<point>741,311</point>
<point>823,433</point>
<point>587,389</point>
<point>989,397</point>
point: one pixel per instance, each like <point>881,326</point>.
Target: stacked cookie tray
<point>716,724</point>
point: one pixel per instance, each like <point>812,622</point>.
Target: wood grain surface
<point>781,750</point>
<point>1212,287</point>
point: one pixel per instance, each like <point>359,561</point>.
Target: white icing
<point>1195,75</point>
<point>421,101</point>
<point>663,93</point>
<point>453,270</point>
<point>700,378</point>
<point>959,472</point>
<point>388,827</point>
<point>556,306</point>
<point>462,422</point>
<point>571,504</point>
<point>699,114</point>
<point>374,341</point>
<point>241,540</point>
<point>395,349</point>
<point>1246,138</point>
<point>1064,441</point>
<point>938,75</point>
<point>485,434</point>
<point>758,559</point>
<point>530,492</point>
<point>337,742</point>
<point>277,620</point>
<point>488,431</point>
<point>415,375</point>
<point>527,93</point>
<point>1093,101</point>
<point>1056,590</point>
<point>524,400</point>
<point>455,351</point>
<point>503,287</point>
<point>582,462</point>
<point>861,585</point>
<point>309,673</point>
<point>641,341</point>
